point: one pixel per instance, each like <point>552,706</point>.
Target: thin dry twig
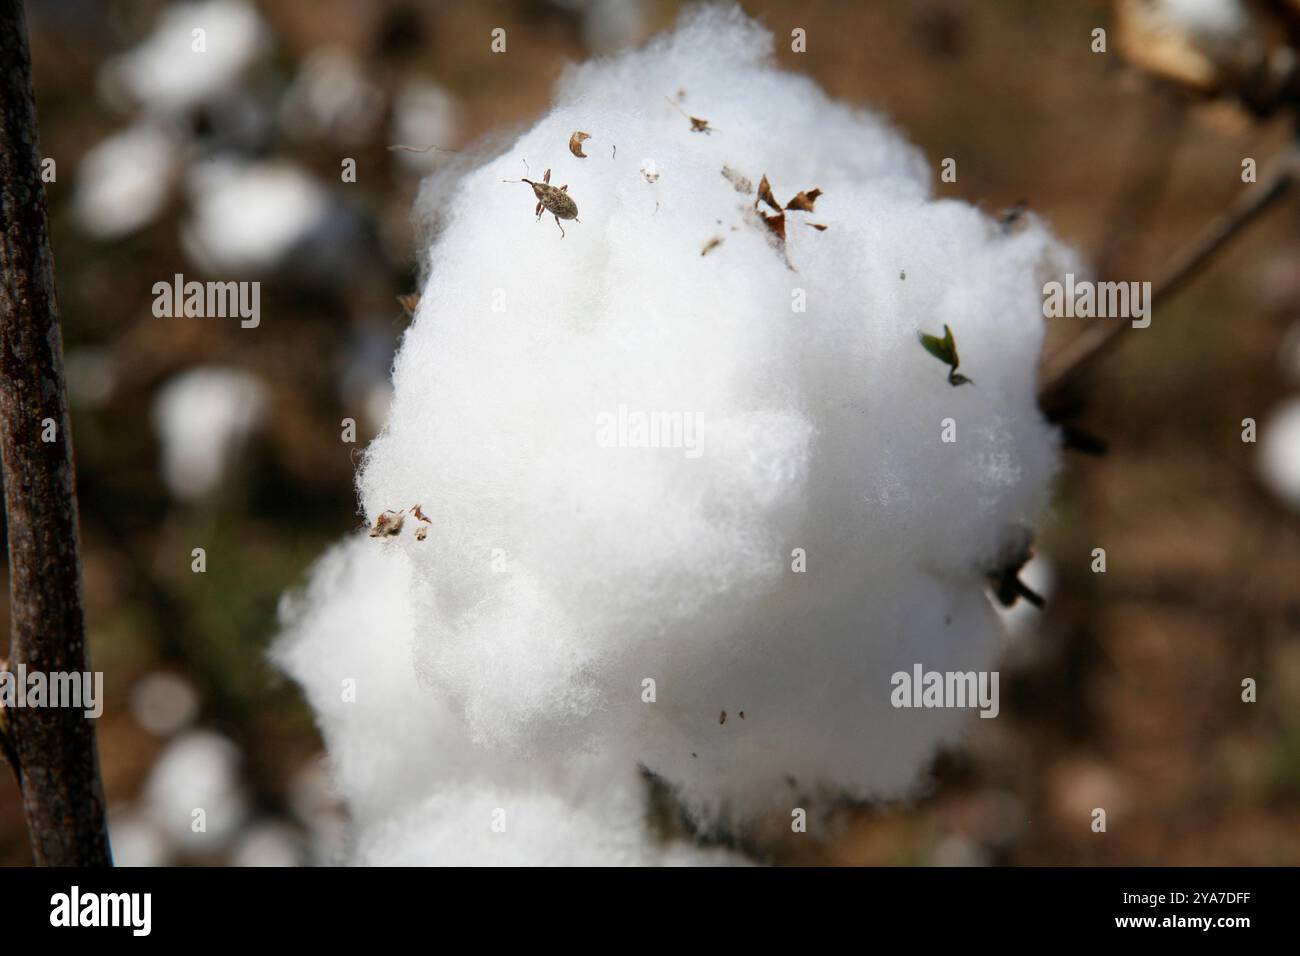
<point>1064,365</point>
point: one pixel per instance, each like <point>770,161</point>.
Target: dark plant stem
<point>1065,365</point>
<point>54,747</point>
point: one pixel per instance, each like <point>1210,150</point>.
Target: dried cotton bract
<point>508,654</point>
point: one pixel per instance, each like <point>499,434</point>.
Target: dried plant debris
<point>945,350</point>
<point>775,221</point>
<point>804,201</point>
<point>576,141</point>
<point>765,194</point>
<point>1014,219</point>
<point>722,718</point>
<point>711,245</point>
<point>388,524</point>
<point>742,183</point>
<point>409,303</point>
<point>650,171</point>
<point>1005,577</point>
<point>419,149</point>
<point>697,125</point>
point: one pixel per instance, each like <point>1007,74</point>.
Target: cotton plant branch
<point>53,747</point>
<point>1065,365</point>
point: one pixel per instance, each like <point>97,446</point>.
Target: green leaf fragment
<point>945,350</point>
<point>936,347</point>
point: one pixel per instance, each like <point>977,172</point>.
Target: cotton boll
<point>424,114</point>
<point>1279,452</point>
<point>251,216</point>
<point>92,376</point>
<point>1202,44</point>
<point>167,73</point>
<point>608,25</point>
<point>123,181</point>
<point>331,96</point>
<point>622,445</point>
<point>267,843</point>
<point>198,771</point>
<point>204,418</point>
<point>164,703</point>
<point>817,429</point>
<point>317,805</point>
<point>136,840</point>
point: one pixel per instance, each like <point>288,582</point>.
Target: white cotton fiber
<point>512,645</point>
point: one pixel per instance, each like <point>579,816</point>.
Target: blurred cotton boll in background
<point>168,74</point>
<point>199,771</point>
<point>608,25</point>
<point>1279,452</point>
<point>724,618</point>
<point>204,417</point>
<point>164,703</point>
<point>332,97</point>
<point>123,181</point>
<point>251,216</point>
<point>424,115</point>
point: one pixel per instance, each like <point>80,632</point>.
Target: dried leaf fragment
<point>1013,219</point>
<point>388,524</point>
<point>804,201</point>
<point>697,125</point>
<point>711,245</point>
<point>409,303</point>
<point>816,225</point>
<point>765,194</point>
<point>741,183</point>
<point>776,224</point>
<point>419,515</point>
<point>722,718</point>
<point>576,141</point>
<point>421,533</point>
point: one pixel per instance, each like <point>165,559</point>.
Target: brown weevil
<point>552,199</point>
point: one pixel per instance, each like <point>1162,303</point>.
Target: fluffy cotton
<point>509,651</point>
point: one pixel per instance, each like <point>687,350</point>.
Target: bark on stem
<point>58,766</point>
